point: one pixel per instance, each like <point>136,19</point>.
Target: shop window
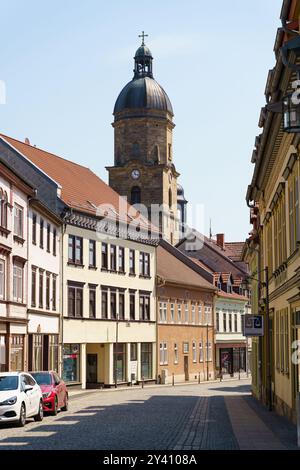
<point>146,360</point>
<point>71,362</point>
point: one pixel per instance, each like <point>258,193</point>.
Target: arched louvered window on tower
<point>135,196</point>
<point>170,198</point>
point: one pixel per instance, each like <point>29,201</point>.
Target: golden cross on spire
<point>143,36</point>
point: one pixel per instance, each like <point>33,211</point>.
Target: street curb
<point>139,387</point>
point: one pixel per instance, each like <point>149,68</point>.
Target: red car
<point>54,390</point>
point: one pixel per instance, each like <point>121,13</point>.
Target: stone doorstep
<point>80,393</point>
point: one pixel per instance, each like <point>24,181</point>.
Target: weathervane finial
<point>143,36</point>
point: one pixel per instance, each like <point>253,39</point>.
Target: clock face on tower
<point>135,174</point>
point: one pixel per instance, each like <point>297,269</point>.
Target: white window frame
<point>18,273</point>
<point>186,313</point>
<point>193,313</point>
<point>194,349</point>
<point>18,220</point>
<point>179,312</point>
<point>163,353</point>
<point>172,312</point>
<point>176,355</point>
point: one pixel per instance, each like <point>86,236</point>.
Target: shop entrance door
<point>91,368</point>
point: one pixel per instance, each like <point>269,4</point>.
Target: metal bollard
<point>173,379</point>
<point>143,382</point>
<point>221,376</point>
<point>199,378</point>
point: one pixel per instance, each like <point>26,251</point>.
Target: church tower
<point>143,168</point>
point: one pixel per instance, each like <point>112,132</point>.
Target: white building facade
<point>232,348</point>
<point>44,231</point>
<point>109,308</point>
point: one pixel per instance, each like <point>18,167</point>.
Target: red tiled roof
<point>81,188</point>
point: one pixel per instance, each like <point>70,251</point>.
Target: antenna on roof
<point>210,231</point>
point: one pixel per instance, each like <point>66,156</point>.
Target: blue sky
<point>64,63</point>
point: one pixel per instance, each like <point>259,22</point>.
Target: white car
<point>20,398</point>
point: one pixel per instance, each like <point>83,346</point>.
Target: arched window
<point>4,203</point>
<point>135,197</point>
<point>170,198</point>
<point>135,150</point>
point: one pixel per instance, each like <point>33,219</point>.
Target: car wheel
<point>40,415</point>
<point>22,418</point>
<point>66,405</point>
<point>55,407</point>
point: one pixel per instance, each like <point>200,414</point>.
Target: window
<point>113,257</point>
<point>179,312</point>
<point>121,259</point>
<point>170,151</point>
<point>144,264</point>
<point>71,362</point>
<point>209,351</point>
<point>37,352</point>
<point>75,301</point>
<point>34,229</point>
<point>133,351</point>
<point>54,292</point>
<point>194,351</point>
<point>200,351</point>
<point>135,196</point>
<point>230,322</point>
<point>294,217</point>
<point>121,305</point>
<point>92,253</point>
<point>48,236</point>
<point>104,256</point>
<point>163,312</point>
<point>41,289</point>
<point>172,312</point>
<point>92,302</point>
<point>47,291</point>
<point>132,305</point>
<point>235,322</point>
<point>176,357</point>
<point>113,305</point>
<point>18,221</point>
<point>207,314</point>
<point>131,262</point>
<point>41,232</point>
<point>3,208</point>
<point>146,360</point>
<point>119,362</point>
<point>2,279</point>
<point>224,322</point>
<point>217,321</point>
<point>53,352</point>
<point>186,347</point>
<point>33,287</point>
<point>75,250</point>
<point>193,313</point>
<point>145,307</point>
<point>186,313</point>
<point>104,304</point>
<point>163,353</point>
<point>18,283</point>
<point>54,242</point>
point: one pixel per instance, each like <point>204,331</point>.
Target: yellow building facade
<point>273,249</point>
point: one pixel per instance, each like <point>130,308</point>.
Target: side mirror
<point>27,388</point>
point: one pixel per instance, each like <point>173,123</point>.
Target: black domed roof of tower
<point>143,91</point>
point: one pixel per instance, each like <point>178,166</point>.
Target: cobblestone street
<point>184,417</point>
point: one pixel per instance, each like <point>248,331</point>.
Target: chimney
<point>27,141</point>
<point>221,240</point>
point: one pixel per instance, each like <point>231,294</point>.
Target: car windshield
<point>8,382</point>
<point>42,378</point>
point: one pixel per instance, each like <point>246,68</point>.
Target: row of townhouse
<point>273,248</point>
<point>88,293</point>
